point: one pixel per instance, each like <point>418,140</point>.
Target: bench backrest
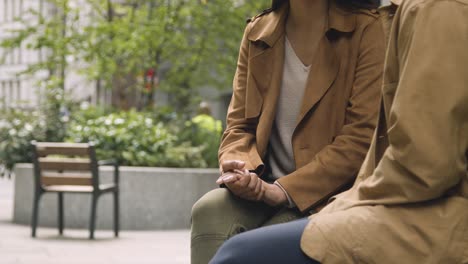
<point>65,164</point>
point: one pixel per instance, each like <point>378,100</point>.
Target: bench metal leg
<point>116,213</point>
<point>60,212</point>
<point>92,220</point>
<point>35,214</point>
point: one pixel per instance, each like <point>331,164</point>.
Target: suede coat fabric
<point>338,111</point>
<point>409,203</point>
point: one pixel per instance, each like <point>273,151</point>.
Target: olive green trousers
<point>219,215</point>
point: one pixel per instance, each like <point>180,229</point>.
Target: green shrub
<point>133,138</point>
<point>19,127</point>
<point>84,111</point>
<point>206,132</point>
<point>137,139</point>
<point>17,130</point>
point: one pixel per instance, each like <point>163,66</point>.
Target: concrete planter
<point>150,199</point>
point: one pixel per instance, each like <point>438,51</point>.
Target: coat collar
<point>271,26</point>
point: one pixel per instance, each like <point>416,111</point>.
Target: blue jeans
<point>276,244</point>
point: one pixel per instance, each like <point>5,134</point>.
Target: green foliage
<point>133,138</point>
<point>138,139</point>
<point>17,129</point>
<point>54,111</point>
<point>206,131</point>
<point>189,43</point>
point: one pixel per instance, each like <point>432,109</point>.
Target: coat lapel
<point>258,80</point>
<point>271,93</point>
<point>322,74</point>
<point>261,67</point>
<point>326,64</point>
<point>266,50</point>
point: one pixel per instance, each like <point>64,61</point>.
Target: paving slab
<point>132,247</point>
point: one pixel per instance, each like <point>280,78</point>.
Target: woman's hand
<point>244,184</point>
<point>274,195</point>
<point>248,185</point>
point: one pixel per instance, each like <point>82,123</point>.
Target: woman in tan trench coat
<point>409,203</point>
<point>301,118</point>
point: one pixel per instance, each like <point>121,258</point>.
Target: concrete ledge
<point>150,199</point>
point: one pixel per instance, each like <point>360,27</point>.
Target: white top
<point>295,75</point>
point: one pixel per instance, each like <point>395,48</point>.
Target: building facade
<point>23,91</point>
<point>12,87</point>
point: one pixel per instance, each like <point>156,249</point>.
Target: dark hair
<point>367,4</point>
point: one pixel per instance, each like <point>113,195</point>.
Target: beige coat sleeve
<point>238,141</point>
<point>336,165</point>
<point>428,121</point>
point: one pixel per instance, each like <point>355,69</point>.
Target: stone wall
<point>150,199</point>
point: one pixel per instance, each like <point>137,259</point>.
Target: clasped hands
<point>248,185</point>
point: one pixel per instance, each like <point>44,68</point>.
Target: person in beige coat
<point>303,110</point>
<point>409,203</point>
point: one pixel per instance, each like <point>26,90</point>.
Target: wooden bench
<point>72,168</point>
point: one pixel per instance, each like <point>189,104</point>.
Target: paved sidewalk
<point>17,247</point>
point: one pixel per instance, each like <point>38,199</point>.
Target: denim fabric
<point>276,244</point>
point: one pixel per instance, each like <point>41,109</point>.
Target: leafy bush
<point>206,131</point>
<point>138,139</point>
<point>133,138</point>
<point>17,129</point>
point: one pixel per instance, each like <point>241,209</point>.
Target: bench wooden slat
<point>51,178</point>
<point>64,164</point>
<point>53,148</point>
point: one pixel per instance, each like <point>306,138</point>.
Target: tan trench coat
<point>338,112</point>
<point>409,203</point>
